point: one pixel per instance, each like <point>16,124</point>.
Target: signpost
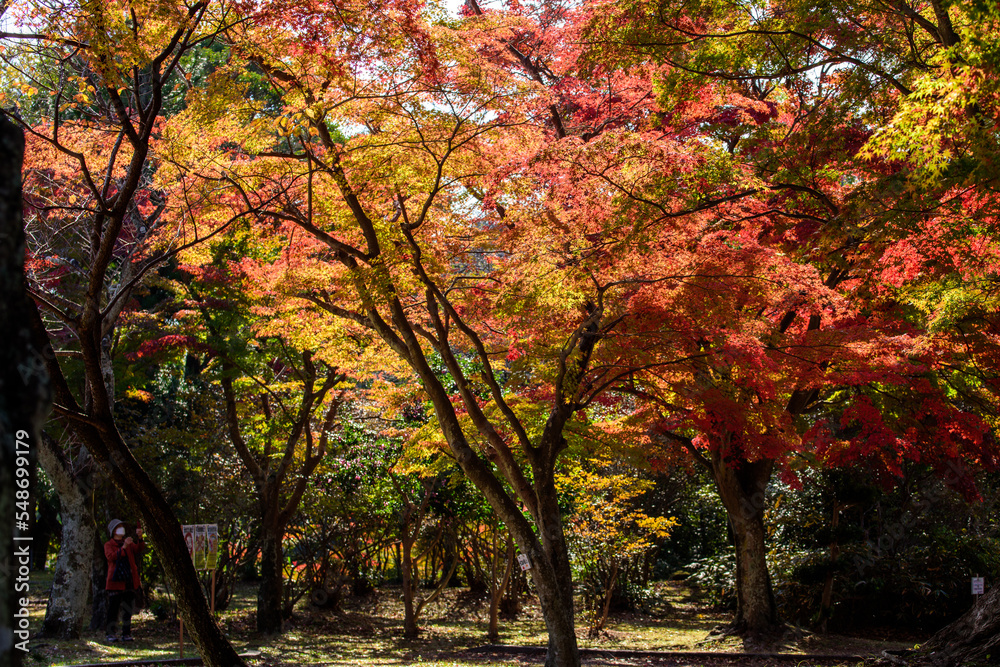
<point>978,587</point>
<point>202,540</point>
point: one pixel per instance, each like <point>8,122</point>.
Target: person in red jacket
<point>123,578</point>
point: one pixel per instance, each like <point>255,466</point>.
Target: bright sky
<point>452,5</point>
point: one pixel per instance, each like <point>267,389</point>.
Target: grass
<point>369,632</point>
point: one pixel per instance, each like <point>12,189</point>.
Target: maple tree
<point>379,210</point>
<point>640,206</point>
<point>281,482</point>
<point>792,94</point>
<point>92,150</point>
<point>609,533</point>
<point>279,403</point>
<point>763,235</point>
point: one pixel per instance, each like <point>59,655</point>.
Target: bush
<point>715,577</point>
<point>906,556</point>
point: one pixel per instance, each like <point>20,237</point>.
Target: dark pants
<point>123,601</point>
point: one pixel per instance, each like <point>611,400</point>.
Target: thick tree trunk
<point>742,486</point>
<point>554,581</point>
<point>25,399</point>
<point>974,639</point>
<point>559,622</point>
<point>67,604</point>
<point>71,582</point>
<point>270,593</point>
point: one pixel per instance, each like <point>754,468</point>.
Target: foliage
<point>905,558</point>
<point>715,576</point>
<point>526,239</point>
<point>348,518</point>
<point>612,540</point>
<point>701,531</point>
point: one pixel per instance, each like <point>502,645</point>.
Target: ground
<point>369,632</point>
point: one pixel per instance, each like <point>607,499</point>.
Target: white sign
<point>523,560</point>
<point>977,586</point>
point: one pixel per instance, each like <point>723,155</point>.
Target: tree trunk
<point>555,586</point>
<point>164,532</point>
<point>497,588</point>
<point>271,589</point>
<point>971,640</point>
<point>410,630</point>
<point>25,398</point>
<point>558,613</point>
<point>99,434</point>
<point>742,486</point>
<point>67,604</point>
<point>601,615</point>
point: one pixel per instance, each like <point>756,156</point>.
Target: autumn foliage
<point>761,238</point>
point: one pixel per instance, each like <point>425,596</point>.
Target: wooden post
<point>213,592</point>
<point>182,637</point>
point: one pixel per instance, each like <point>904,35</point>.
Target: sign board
<point>212,546</point>
<point>523,560</point>
<point>189,539</point>
<point>978,585</point>
<point>202,540</point>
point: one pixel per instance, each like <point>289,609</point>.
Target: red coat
<point>112,550</point>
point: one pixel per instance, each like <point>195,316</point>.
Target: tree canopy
<point>536,239</point>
